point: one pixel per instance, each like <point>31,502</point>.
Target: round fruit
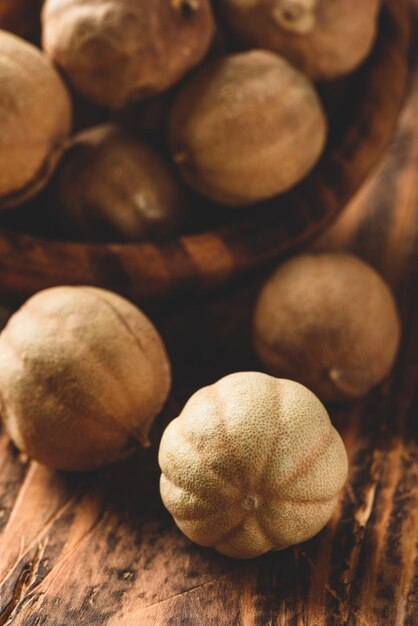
<point>328,321</point>
<point>324,38</point>
<point>252,464</point>
<point>83,373</point>
<point>111,186</point>
<point>246,127</point>
<point>120,51</point>
<point>36,117</point>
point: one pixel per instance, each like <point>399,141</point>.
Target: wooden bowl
<point>363,116</point>
<point>20,16</point>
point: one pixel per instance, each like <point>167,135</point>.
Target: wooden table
<point>99,548</point>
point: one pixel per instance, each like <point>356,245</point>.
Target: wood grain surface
<point>363,114</point>
<point>100,549</point>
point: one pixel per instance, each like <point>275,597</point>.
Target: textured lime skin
<point>252,464</point>
<point>36,119</point>
<point>116,52</point>
<point>246,127</point>
<point>111,186</point>
<point>329,321</point>
<point>83,373</point>
<point>325,39</point>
